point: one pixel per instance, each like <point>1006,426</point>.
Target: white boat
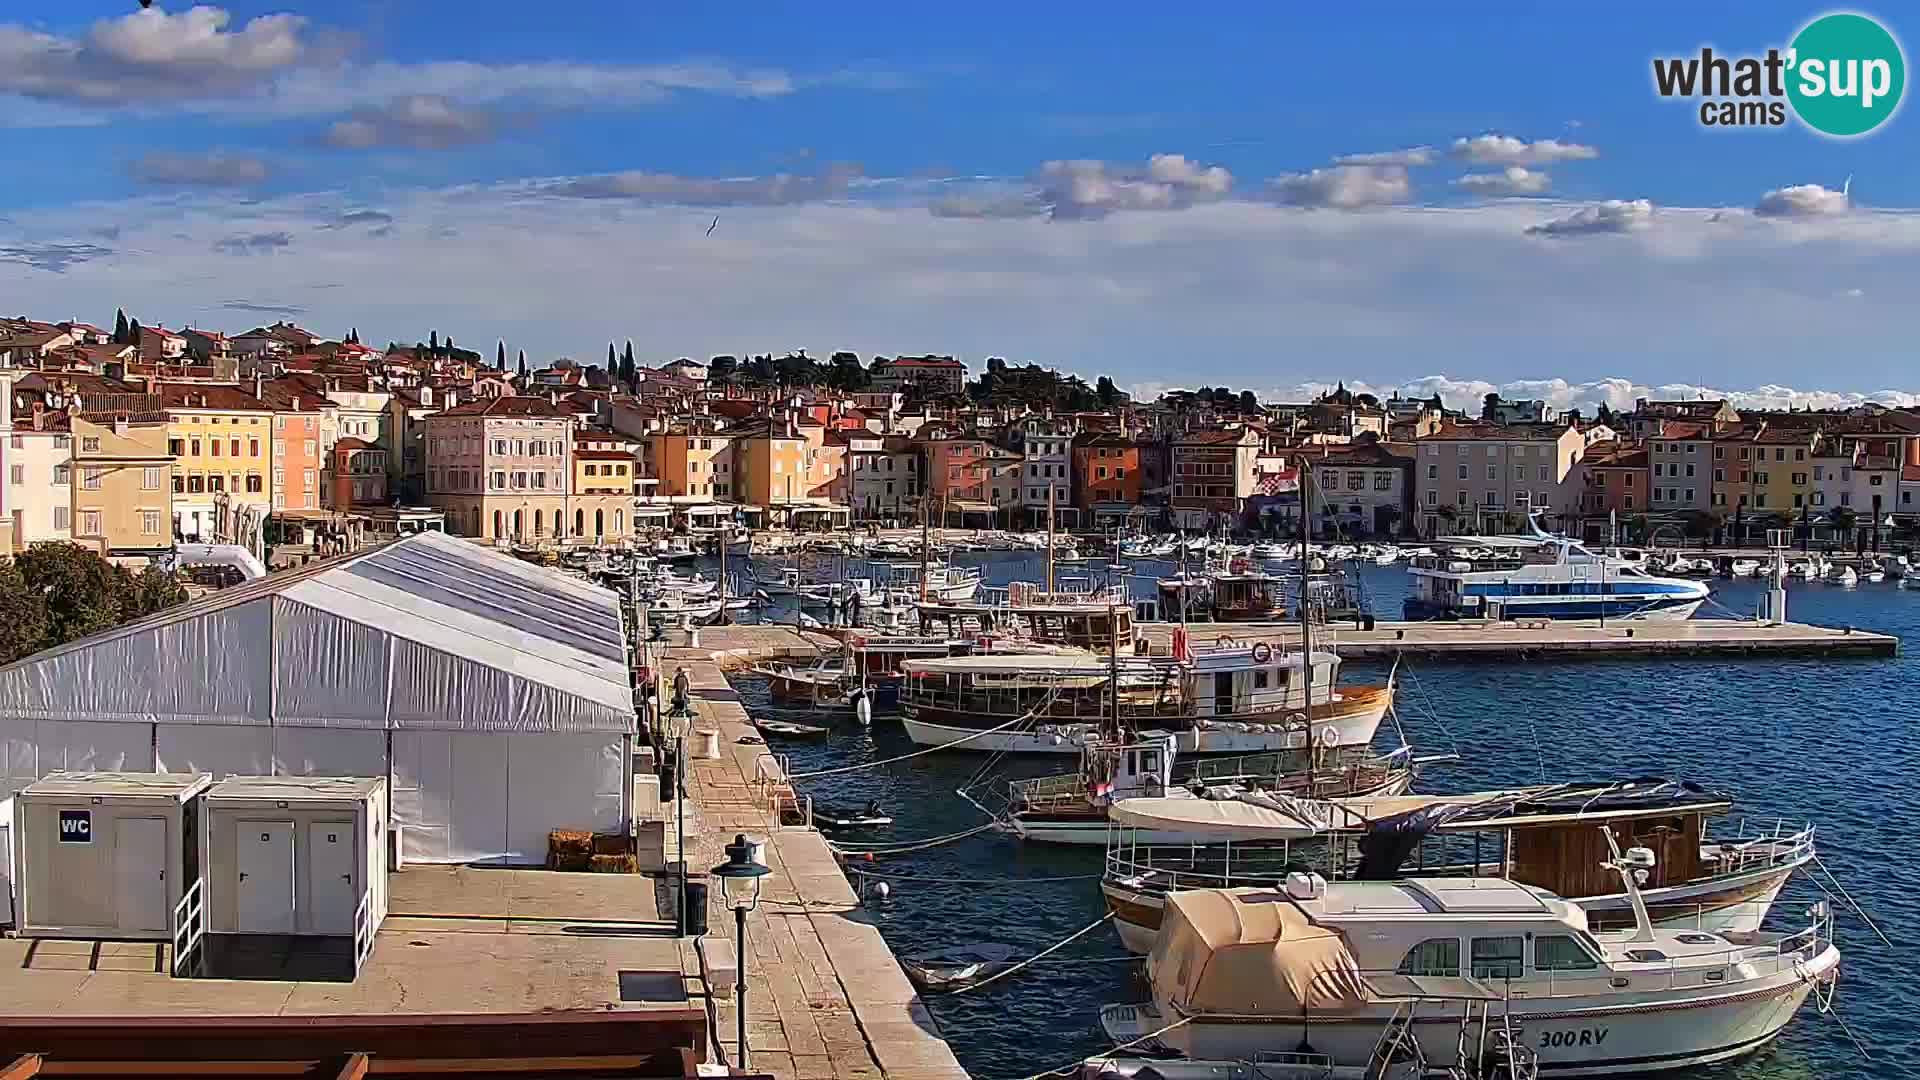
<point>1873,575</point>
<point>1843,575</point>
<point>1325,966</point>
<point>1744,568</point>
<point>1272,551</point>
<point>1542,577</point>
<point>1231,699</point>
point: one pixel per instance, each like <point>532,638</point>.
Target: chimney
<point>426,395</point>
<point>296,403</point>
<point>453,397</point>
<point>553,396</point>
<point>257,384</point>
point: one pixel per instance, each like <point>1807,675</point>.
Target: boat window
<point>1499,957</point>
<point>1691,938</point>
<point>1259,680</point>
<point>1558,952</point>
<point>1646,956</point>
<point>1434,956</point>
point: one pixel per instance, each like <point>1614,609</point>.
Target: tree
<point>133,333</point>
<point>79,588</point>
<point>119,326</point>
<point>433,341</point>
<point>1603,415</point>
<point>523,367</point>
<point>1844,519</point>
<point>23,616</point>
<point>613,358</point>
<point>1249,402</point>
<point>1490,407</point>
<point>149,591</point>
<point>500,355</point>
<point>721,368</point>
<point>629,371</point>
<point>1108,393</point>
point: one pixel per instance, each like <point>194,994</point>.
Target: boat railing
<point>1165,868</point>
<point>1022,594</point>
<point>1140,698</point>
<point>1755,846</point>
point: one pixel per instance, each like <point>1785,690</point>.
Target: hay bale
<point>612,843</point>
<point>614,864</point>
<point>569,849</point>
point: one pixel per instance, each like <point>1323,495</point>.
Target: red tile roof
<point>515,405</point>
<point>207,396</point>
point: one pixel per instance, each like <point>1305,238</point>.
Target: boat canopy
<point>1222,820</point>
<point>1250,952</point>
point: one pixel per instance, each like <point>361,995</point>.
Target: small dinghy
<point>945,970</point>
<point>791,730</point>
<point>829,816</point>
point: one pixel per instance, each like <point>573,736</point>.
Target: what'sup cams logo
<point>1842,76</point>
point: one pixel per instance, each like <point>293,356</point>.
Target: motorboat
<point>1073,613</point>
<point>1542,577</point>
<point>1325,965</point>
<point>1843,575</point>
<point>792,730</point>
<point>1542,837</point>
<point>1227,699</point>
<point>1271,551</point>
<point>834,816</point>
<point>1743,568</point>
<point>944,970</point>
<point>1873,574</point>
<point>1071,808</point>
<point>820,683</point>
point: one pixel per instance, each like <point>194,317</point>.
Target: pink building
<point>499,468</point>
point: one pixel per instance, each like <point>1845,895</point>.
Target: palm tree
<point>1844,520</point>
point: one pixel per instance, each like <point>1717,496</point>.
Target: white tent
<point>492,694</point>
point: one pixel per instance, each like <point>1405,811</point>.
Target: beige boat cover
<point>1249,952</point>
<point>1223,819</point>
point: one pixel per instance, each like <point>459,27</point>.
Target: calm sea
<point>1832,742</point>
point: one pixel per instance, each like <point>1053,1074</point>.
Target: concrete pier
<point>1559,639</point>
<point>826,999</point>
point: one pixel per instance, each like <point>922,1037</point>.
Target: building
<point>1781,481</point>
<point>1679,456</point>
<point>280,339</point>
<point>694,464</point>
<point>1615,482</point>
<point>1107,477</point>
<point>1523,411</point>
<point>221,438</point>
<point>884,478</point>
<point>160,343</point>
<point>602,502</point>
<point>1047,444</point>
<point>930,376</point>
<point>499,468</point>
<point>1213,471</point>
<point>359,472</point>
<point>1647,416</point>
<point>40,477</point>
<point>1006,483</point>
<point>1361,490</point>
<point>123,477</point>
<point>1477,477</point>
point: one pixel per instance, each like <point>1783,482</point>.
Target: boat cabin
<point>1082,626</point>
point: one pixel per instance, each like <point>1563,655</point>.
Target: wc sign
<point>76,826</point>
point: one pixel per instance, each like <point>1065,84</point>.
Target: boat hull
<point>1353,718</point>
<point>1092,831</point>
<point>1645,609</point>
<point>1607,1033</point>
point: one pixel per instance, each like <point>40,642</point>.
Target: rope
<point>1022,965</point>
<point>1030,714</point>
<point>1129,1044</point>
<point>978,881</point>
<point>908,847</point>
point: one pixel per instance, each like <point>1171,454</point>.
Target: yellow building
<point>695,464</point>
<point>122,481</point>
<point>772,459</point>
<point>601,499</point>
<point>1781,476</point>
<point>221,438</point>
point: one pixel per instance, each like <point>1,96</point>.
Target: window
<point>253,483</point>
<point>90,479</point>
<point>253,447</point>
<point>63,474</point>
<point>1799,453</point>
<point>1689,495</point>
<point>1599,479</point>
<point>499,480</point>
<point>1433,497</point>
<point>176,447</point>
<point>17,474</point>
<point>1690,448</point>
<point>1626,502</point>
<point>213,447</point>
<point>1719,476</point>
<point>150,522</point>
<point>1689,468</point>
<point>90,444</point>
<point>62,518</point>
<point>1463,472</point>
<point>1356,480</point>
<point>1799,479</point>
<point>1846,498</point>
<point>1520,472</point>
<point>1546,473</point>
<point>1498,957</point>
<point>1433,472</point>
<point>1779,453</point>
<point>1460,499</point>
<point>1819,472</point>
<point>1493,472</point>
<point>89,523</point>
<point>150,478</point>
<point>1874,480</point>
<point>1433,957</point>
<point>1559,952</point>
<point>1382,481</point>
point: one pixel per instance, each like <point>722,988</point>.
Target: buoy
<point>883,889</point>
<point>863,709</point>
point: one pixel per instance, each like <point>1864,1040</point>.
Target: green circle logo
<point>1846,75</point>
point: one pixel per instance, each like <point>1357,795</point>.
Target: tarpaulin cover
<point>1249,952</point>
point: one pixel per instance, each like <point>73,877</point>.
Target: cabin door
<point>1222,693</point>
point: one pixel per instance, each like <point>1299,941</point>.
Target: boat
<point>1073,613</point>
<point>1071,808</point>
<point>1230,698</point>
<point>1271,551</point>
<point>1542,837</point>
<point>1320,965</point>
<point>840,816</point>
<point>791,730</point>
<point>877,661</point>
<point>819,683</point>
<point>1541,577</point>
<point>1233,592</point>
<point>1873,575</point>
<point>1843,575</point>
<point>1744,568</point>
<point>942,971</point>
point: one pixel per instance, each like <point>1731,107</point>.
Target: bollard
<point>709,743</point>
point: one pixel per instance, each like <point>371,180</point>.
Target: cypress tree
<point>500,355</point>
<point>133,333</point>
<point>612,364</point>
<point>119,326</point>
<point>523,367</point>
<point>433,340</point>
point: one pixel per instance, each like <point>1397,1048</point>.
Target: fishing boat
<point>1073,613</point>
<point>1543,837</point>
<point>867,815</point>
<point>792,730</point>
<point>942,971</point>
<point>1541,577</point>
<point>1227,699</point>
<point>878,661</point>
<point>823,682</point>
<point>1071,808</point>
<point>1240,971</point>
<point>1843,575</point>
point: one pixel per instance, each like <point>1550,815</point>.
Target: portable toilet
<point>296,857</point>
<point>104,855</point>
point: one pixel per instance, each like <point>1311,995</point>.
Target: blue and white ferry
<point>1541,577</point>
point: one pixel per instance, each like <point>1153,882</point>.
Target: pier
<point>826,1000</point>
<point>1559,639</point>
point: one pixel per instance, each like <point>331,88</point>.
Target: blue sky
<point>1103,189</point>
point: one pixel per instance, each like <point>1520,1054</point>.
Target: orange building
<point>1106,474</point>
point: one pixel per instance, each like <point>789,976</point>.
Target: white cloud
<point>1342,187</point>
<point>212,169</point>
<point>318,91</point>
<point>1412,156</point>
<point>784,189</point>
<point>149,55</point>
<point>418,121</point>
<point>1802,200</point>
<point>1226,291</point>
<point>1491,149</point>
<point>1611,216</point>
<point>1512,180</point>
<point>1617,393</point>
<point>1091,189</point>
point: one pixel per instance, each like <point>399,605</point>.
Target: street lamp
<point>676,724</point>
<point>740,883</point>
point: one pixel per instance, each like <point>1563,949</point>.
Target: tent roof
<point>429,631</point>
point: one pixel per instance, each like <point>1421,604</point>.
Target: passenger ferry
<point>1541,577</point>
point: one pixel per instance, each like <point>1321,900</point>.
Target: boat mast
<point>1306,581</point>
<point>925,545</point>
<point>1050,491</point>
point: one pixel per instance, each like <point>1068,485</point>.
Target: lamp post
<point>740,883</point>
<point>677,721</point>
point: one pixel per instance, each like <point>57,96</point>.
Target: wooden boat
<point>792,730</point>
<point>945,970</point>
<point>821,683</point>
<point>834,816</point>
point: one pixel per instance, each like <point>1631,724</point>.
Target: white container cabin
<point>296,856</point>
<point>104,855</point>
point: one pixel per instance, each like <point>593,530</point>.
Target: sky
<point>1275,197</point>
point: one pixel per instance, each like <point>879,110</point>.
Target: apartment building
<point>359,475</point>
<point>930,375</point>
<point>499,468</point>
<point>772,460</point>
<point>40,477</point>
<point>122,473</point>
<point>602,502</point>
<point>1046,443</point>
<point>221,438</point>
<point>692,464</point>
<point>1107,476</point>
<point>1213,472</point>
<point>1679,455</point>
<point>1615,485</point>
<point>1486,478</point>
<point>1362,489</point>
<point>1776,463</point>
<point>884,478</point>
<point>1007,483</point>
<point>1846,476</point>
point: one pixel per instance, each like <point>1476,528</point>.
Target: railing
<point>1167,700</point>
<point>189,928</point>
<point>363,929</point>
<point>1780,845</point>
